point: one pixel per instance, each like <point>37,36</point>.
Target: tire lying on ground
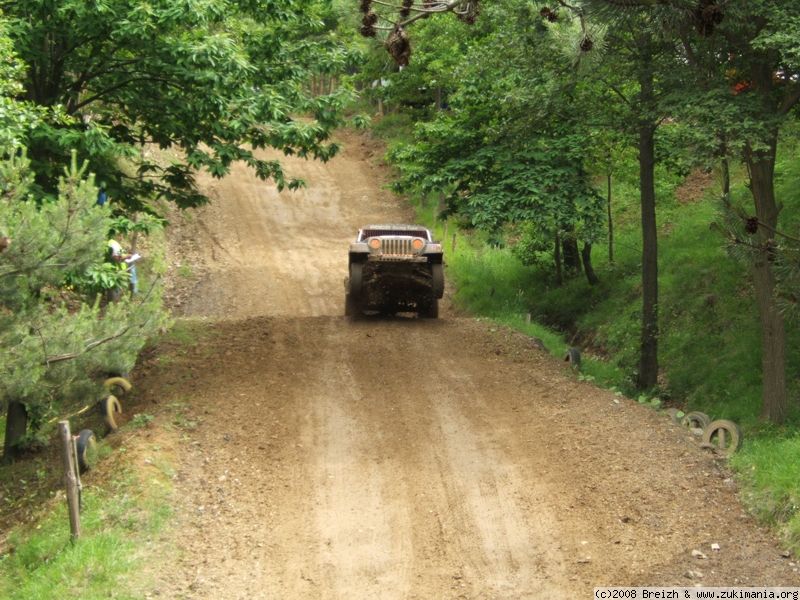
<point>696,420</point>
<point>119,386</point>
<point>573,357</point>
<point>723,436</point>
<point>112,410</point>
<point>86,449</point>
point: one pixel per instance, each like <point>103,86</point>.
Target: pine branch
<point>95,343</point>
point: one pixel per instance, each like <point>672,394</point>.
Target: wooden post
<point>71,479</point>
<point>453,245</point>
<point>528,319</point>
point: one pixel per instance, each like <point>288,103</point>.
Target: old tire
<point>696,419</point>
<point>430,310</point>
<point>356,277</point>
<point>573,357</point>
<point>723,436</point>
<point>118,386</point>
<point>437,280</point>
<point>112,410</point>
<point>85,448</point>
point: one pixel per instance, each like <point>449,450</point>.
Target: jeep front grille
<point>396,246</point>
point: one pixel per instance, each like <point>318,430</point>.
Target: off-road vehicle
<point>392,269</point>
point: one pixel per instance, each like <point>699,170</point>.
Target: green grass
<point>124,507</point>
<point>709,347</point>
<point>769,469</point>
<point>185,271</point>
<point>116,522</point>
<point>394,128</point>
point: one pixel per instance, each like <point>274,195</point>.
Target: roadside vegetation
<point>108,110</point>
<point>121,514</point>
<point>557,144</point>
<point>537,135</point>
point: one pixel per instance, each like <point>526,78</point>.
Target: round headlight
<point>374,244</point>
<point>417,244</point>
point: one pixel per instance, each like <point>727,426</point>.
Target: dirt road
<point>404,458</point>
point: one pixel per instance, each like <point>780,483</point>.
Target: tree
<point>755,60</point>
<point>56,339</point>
<point>510,149</point>
<point>746,64</point>
<point>214,79</point>
<point>635,91</point>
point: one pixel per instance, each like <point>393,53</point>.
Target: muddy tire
<point>112,411</point>
<point>352,307</point>
<point>430,310</point>
<point>723,436</point>
<point>696,420</point>
<point>437,280</point>
<point>356,277</point>
<point>85,448</point>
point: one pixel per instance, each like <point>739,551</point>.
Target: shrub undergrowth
<point>118,517</point>
<point>709,347</point>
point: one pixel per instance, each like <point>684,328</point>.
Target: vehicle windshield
<point>376,232</point>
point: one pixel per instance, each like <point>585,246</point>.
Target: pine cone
<point>470,12</point>
<point>549,14</point>
<point>399,47</point>
<point>369,19</point>
<point>406,10</point>
<point>751,225</point>
<point>367,30</point>
<point>366,6</point>
<point>586,44</point>
<point>707,16</point>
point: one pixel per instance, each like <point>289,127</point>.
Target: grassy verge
<point>127,497</point>
<point>709,347</point>
<point>120,514</point>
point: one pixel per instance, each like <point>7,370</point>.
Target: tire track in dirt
<point>263,252</point>
<point>364,534</point>
<point>406,458</point>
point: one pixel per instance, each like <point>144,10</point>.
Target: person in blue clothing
<point>102,196</point>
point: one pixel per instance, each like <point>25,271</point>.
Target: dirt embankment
<point>405,458</point>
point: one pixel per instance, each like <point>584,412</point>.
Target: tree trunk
<point>586,255</point>
<point>648,360</point>
<point>557,256</point>
<point>725,167</point>
<point>571,253</point>
<point>774,400</point>
<point>610,222</point>
<point>726,181</point>
<point>16,427</point>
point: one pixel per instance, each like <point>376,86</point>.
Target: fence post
<point>71,479</point>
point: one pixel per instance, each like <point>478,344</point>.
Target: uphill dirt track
<point>406,458</point>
